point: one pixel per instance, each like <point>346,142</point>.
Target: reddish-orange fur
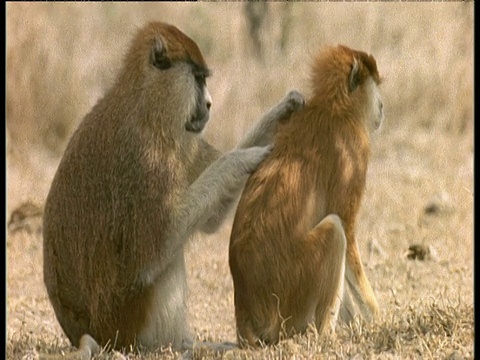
<point>283,271</point>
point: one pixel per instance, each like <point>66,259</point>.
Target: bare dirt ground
<point>419,186</point>
<point>427,305</point>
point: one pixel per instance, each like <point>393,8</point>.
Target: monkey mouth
<point>197,124</point>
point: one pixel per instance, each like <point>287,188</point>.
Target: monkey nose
<point>208,99</point>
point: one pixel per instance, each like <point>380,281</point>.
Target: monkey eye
<point>163,63</point>
<point>200,78</point>
<point>200,74</point>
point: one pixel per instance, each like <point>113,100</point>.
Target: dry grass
<point>61,57</point>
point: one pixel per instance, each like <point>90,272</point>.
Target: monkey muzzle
<point>201,115</point>
<point>197,122</point>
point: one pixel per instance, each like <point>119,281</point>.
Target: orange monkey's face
<point>375,111</point>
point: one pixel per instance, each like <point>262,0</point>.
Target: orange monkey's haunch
<point>293,240</point>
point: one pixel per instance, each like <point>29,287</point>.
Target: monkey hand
<point>294,101</point>
<point>282,112</point>
<point>227,175</point>
<point>263,131</point>
<point>209,198</point>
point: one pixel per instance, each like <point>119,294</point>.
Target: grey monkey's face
<point>203,103</point>
<point>190,77</point>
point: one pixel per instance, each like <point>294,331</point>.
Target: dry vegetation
<point>61,57</point>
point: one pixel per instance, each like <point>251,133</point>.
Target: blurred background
<point>61,57</point>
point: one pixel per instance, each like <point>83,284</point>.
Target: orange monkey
<point>293,237</point>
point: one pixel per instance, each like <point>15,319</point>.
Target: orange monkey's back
<point>286,248</point>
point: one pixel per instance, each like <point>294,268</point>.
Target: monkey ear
<point>158,56</point>
<point>354,77</point>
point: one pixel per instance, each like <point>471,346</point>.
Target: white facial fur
<point>375,116</point>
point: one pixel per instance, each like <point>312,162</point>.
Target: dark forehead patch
<point>367,61</point>
<point>178,45</point>
<point>371,65</point>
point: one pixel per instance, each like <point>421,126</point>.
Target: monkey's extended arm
<point>209,198</point>
<point>220,183</point>
<point>262,132</point>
